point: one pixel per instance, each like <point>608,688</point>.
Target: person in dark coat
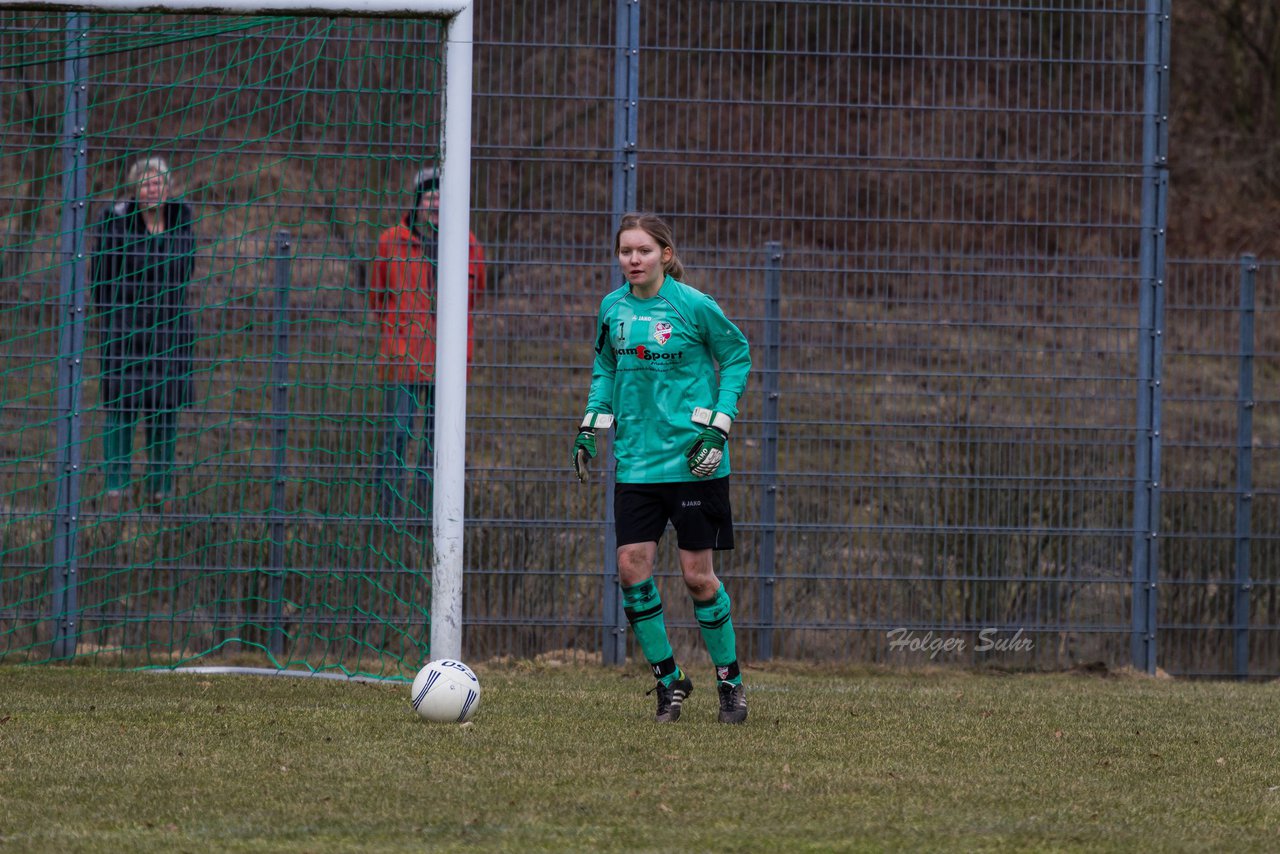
<point>143,258</point>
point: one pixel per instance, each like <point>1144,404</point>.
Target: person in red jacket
<point>402,295</point>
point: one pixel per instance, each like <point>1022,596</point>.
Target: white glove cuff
<point>593,420</point>
<point>708,418</point>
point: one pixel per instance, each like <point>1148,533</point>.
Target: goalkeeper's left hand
<point>584,447</point>
<point>707,451</point>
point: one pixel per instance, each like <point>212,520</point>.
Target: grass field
<point>567,759</point>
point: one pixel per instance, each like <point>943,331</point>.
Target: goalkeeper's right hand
<point>584,447</point>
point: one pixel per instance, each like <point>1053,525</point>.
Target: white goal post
<point>451,308</point>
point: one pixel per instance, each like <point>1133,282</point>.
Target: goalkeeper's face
<point>642,259</point>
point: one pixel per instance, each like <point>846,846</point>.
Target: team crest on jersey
<point>662,332</point>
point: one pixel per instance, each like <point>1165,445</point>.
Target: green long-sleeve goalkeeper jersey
<point>656,360</point>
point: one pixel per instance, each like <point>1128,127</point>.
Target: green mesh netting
<point>265,506</point>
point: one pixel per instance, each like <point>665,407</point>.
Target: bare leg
<point>699,574</point>
<point>635,563</point>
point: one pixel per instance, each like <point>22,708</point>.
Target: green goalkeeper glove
<point>584,447</point>
<point>707,451</point>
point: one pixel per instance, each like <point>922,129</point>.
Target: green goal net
<point>203,460</point>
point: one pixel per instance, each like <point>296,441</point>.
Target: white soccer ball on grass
<point>445,691</point>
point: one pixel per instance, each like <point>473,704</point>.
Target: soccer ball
<point>445,691</point>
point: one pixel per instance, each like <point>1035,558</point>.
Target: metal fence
<point>988,422</point>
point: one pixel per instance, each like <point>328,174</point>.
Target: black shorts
<point>699,510</point>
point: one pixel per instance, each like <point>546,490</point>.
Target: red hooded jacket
<point>402,294</point>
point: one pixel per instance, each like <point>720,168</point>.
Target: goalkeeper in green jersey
<point>668,372</point>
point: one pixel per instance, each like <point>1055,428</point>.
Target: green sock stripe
<point>637,615</point>
<point>715,623</point>
<point>638,593</point>
<point>712,612</point>
<point>642,604</point>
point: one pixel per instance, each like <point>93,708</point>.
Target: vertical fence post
<point>1244,467</point>
<point>626,107</point>
<point>71,288</point>
<point>769,443</point>
<point>281,270</point>
<point>626,129</point>
<point>1151,274</point>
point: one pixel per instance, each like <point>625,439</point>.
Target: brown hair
<point>654,226</point>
